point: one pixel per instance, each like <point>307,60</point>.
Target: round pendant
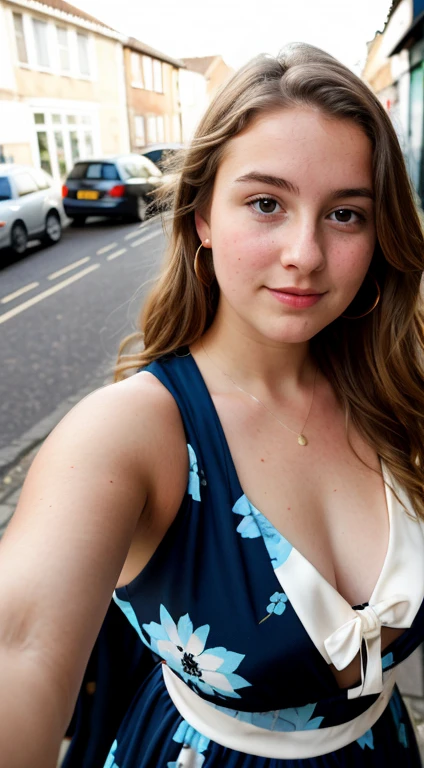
<point>302,440</point>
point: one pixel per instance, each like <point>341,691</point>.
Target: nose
<point>302,248</point>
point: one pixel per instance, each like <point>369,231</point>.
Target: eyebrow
<point>288,186</point>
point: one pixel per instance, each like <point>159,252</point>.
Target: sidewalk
<point>410,676</point>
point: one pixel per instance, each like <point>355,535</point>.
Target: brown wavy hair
<point>374,364</point>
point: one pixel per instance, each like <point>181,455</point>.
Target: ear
<point>202,227</point>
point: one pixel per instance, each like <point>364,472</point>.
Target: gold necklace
<point>301,437</point>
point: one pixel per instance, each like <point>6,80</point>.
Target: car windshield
<point>95,171</point>
<point>5,191</point>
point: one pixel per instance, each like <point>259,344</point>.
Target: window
<point>157,76</point>
<point>41,43</point>
<point>89,150</point>
<point>20,38</point>
<point>140,168</point>
<point>83,56</point>
<point>147,73</point>
<point>73,135</point>
<point>25,184</point>
<point>56,119</point>
<point>160,128</point>
<point>43,149</point>
<point>39,118</point>
<point>151,129</point>
<point>136,74</point>
<point>63,44</point>
<point>139,130</point>
<point>60,152</point>
<point>97,171</point>
<point>5,191</point>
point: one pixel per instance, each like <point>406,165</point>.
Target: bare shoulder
<point>126,421</point>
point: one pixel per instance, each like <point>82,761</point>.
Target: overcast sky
<point>240,29</point>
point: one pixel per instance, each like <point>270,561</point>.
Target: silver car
<point>30,207</point>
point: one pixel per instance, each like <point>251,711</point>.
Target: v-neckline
<point>230,463</point>
<point>334,626</point>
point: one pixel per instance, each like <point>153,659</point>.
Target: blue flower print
<point>277,605</point>
<point>254,524</point>
<point>193,740</point>
<point>282,720</point>
<point>367,740</point>
<point>387,660</point>
<point>110,760</point>
<point>211,671</point>
<point>193,475</point>
<point>396,710</point>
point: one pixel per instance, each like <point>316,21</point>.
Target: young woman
<point>255,493</point>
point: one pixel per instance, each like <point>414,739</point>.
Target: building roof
<point>137,45</point>
<point>62,7</point>
<point>200,64</point>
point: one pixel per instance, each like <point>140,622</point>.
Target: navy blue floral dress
<point>242,630</point>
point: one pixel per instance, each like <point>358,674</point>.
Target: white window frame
<point>53,48</point>
<point>79,127</point>
<point>16,14</point>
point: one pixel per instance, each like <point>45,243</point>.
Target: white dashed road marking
<point>145,239</point>
<point>106,248</point>
<point>63,271</point>
<point>115,254</point>
<point>44,295</point>
<point>15,295</point>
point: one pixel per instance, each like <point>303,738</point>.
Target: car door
<point>30,201</point>
<point>6,210</point>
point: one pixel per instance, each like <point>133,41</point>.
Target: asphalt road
<point>63,312</point>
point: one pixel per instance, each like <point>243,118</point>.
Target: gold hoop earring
<point>368,312</point>
<point>198,266</point>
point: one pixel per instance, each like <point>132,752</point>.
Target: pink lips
<point>296,297</point>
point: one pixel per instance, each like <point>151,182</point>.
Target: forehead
<point>301,144</point>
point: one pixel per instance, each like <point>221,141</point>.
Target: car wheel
<point>53,231</point>
<point>18,238</point>
<point>78,221</point>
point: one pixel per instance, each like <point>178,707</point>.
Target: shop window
<point>63,44</point>
<point>73,135</point>
<point>20,38</point>
<point>43,149</point>
<point>41,43</point>
<point>60,152</point>
<point>83,54</point>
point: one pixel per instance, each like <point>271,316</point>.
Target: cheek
<point>239,256</point>
<point>352,263</point>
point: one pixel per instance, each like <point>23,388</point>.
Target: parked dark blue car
<point>119,186</point>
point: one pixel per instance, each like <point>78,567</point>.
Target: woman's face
<point>291,223</point>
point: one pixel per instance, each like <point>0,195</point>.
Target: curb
<point>19,449</point>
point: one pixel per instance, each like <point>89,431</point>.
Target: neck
<point>257,364</point>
